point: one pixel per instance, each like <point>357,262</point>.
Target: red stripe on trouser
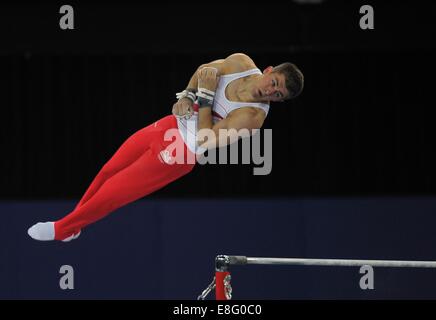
<point>134,171</point>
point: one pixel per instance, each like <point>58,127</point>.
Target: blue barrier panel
<point>165,249</point>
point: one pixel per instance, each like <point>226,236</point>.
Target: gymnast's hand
<point>208,78</point>
<point>183,108</point>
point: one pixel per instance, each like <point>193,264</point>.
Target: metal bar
<point>337,262</point>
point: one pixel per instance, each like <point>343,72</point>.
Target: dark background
<point>364,124</point>
<point>350,148</point>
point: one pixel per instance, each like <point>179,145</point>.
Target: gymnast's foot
<point>45,231</point>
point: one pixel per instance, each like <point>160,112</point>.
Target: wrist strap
<point>186,94</point>
<point>205,97</point>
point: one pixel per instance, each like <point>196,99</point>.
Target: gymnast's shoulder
<point>238,62</point>
<point>234,63</point>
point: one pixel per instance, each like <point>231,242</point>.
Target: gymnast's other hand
<point>183,108</point>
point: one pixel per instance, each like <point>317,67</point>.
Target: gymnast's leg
<point>130,151</point>
<point>144,176</point>
<point>121,181</point>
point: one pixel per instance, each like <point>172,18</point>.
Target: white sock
<point>42,231</point>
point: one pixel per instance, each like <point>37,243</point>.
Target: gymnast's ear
<point>268,69</point>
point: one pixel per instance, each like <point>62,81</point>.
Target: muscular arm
<point>236,62</point>
<point>184,105</point>
<point>243,118</point>
<point>193,83</point>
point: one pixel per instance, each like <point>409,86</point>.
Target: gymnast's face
<point>271,87</point>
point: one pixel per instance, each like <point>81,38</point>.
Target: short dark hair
<point>294,79</point>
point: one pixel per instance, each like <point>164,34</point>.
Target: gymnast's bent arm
<point>243,118</point>
<point>184,105</point>
<point>236,62</point>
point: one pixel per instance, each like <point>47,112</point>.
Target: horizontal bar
<point>334,262</point>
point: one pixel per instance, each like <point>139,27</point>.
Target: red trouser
<point>134,171</point>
